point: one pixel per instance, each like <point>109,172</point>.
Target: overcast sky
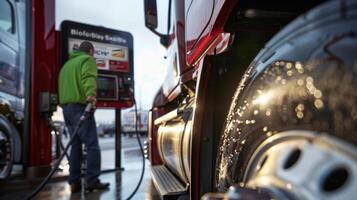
<point>125,15</point>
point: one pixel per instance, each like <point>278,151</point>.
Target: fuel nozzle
<point>88,111</point>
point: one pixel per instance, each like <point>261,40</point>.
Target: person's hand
<point>92,100</point>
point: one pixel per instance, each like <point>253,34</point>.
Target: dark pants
<point>87,134</point>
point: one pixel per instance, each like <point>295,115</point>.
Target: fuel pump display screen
<point>113,54</point>
<point>107,87</point>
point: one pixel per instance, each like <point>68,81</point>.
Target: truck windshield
<point>6,22</point>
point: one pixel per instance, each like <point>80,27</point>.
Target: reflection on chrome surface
<point>174,139</point>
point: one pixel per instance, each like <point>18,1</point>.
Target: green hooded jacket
<point>77,79</point>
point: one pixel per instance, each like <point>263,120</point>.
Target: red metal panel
<point>203,44</point>
<point>197,19</point>
<point>114,104</point>
<point>44,70</point>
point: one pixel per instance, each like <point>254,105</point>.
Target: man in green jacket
<point>77,87</point>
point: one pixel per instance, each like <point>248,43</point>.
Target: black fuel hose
<point>85,115</point>
<point>142,153</point>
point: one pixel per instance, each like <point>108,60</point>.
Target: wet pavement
<point>122,183</point>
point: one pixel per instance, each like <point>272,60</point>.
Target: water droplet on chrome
<point>318,103</point>
<point>268,112</point>
<point>300,115</point>
<point>265,129</point>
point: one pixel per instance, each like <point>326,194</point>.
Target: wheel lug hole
<point>292,159</point>
<point>335,179</point>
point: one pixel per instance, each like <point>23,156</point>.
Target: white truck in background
<point>128,122</point>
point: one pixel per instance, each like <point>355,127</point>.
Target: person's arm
<point>89,80</point>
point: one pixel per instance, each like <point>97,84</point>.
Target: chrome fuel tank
<point>174,141</point>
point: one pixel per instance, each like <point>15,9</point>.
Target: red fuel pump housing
<point>42,77</point>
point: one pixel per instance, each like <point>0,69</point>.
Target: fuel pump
<point>115,82</point>
<point>114,58</point>
<point>113,53</point>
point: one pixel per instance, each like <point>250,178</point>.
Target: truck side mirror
<point>150,9</point>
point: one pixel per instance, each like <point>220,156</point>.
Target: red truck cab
<point>213,114</point>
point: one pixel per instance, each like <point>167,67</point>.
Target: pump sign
<point>113,54</point>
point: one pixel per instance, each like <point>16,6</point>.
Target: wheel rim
<point>5,155</point>
<point>304,165</point>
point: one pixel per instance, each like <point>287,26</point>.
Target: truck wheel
<point>292,124</point>
<point>6,155</point>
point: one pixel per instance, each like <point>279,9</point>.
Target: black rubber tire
<point>4,129</point>
<point>308,74</point>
